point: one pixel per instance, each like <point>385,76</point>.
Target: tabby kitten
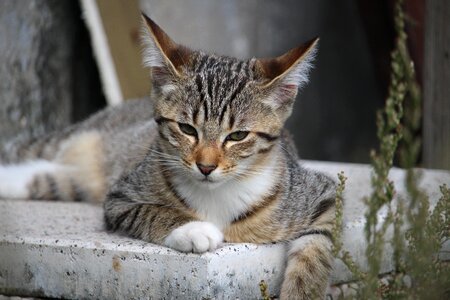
<point>206,162</point>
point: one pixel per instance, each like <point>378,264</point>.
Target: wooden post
<point>436,79</point>
<point>115,27</point>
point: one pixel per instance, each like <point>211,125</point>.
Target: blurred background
<point>63,60</point>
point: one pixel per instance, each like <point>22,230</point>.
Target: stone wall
<point>47,74</point>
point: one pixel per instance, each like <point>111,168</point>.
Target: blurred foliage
<point>418,272</point>
<point>264,290</point>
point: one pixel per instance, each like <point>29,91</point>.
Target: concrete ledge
<point>61,250</point>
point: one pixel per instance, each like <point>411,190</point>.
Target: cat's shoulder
<point>303,180</point>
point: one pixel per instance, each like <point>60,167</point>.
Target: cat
<point>206,161</point>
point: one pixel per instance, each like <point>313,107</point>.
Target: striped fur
<point>206,161</point>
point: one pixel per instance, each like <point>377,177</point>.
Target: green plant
<point>416,256</point>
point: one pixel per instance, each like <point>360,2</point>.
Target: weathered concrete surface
<point>61,250</point>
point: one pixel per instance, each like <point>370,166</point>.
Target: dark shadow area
<point>88,95</point>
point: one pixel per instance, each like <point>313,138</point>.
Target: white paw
<point>195,236</point>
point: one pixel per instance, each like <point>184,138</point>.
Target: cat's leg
<point>310,259</point>
<point>133,208</point>
<point>195,236</point>
<point>164,225</point>
<point>75,173</point>
<point>161,224</point>
<point>309,266</point>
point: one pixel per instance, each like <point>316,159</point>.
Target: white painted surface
<point>105,62</point>
<point>56,249</point>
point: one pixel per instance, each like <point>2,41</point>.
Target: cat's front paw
<point>195,236</point>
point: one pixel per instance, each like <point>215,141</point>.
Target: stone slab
<point>61,250</point>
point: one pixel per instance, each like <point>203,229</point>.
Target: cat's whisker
<point>258,171</point>
<point>157,154</point>
<point>167,161</point>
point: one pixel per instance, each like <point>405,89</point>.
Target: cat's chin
<point>208,183</point>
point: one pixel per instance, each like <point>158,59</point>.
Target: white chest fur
<point>221,205</point>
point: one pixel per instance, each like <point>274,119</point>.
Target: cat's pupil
<point>237,136</point>
<point>187,129</point>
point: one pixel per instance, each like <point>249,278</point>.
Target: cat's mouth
<point>209,182</point>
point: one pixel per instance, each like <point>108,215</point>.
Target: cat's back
<point>118,117</point>
<point>129,119</point>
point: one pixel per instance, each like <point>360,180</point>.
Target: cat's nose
<point>206,170</point>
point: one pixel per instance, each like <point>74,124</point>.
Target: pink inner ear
<point>290,86</point>
<point>286,93</point>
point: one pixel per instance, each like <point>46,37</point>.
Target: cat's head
<point>219,116</point>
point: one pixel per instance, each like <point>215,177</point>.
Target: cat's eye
<point>237,136</point>
<point>187,129</point>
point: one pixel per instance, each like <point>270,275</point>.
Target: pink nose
<point>206,170</point>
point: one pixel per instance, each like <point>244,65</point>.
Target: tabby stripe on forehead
<point>230,99</point>
<point>231,123</point>
<point>229,68</point>
<point>267,136</point>
<point>203,60</point>
<point>247,70</point>
<point>160,120</point>
<point>217,91</point>
<point>239,88</point>
<point>210,82</point>
<point>222,114</point>
<point>239,66</point>
<point>233,70</point>
<point>198,81</point>
<point>205,110</point>
<point>195,114</point>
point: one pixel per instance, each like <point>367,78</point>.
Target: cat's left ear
<point>165,57</point>
<point>285,74</point>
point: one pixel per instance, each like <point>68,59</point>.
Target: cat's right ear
<point>162,55</point>
<point>285,74</point>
